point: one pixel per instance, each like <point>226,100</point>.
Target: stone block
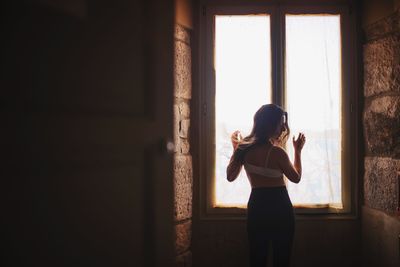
<point>182,34</point>
<point>177,119</point>
<point>183,70</point>
<point>182,145</point>
<point>184,109</point>
<point>183,235</point>
<point>183,184</point>
<point>381,183</point>
<point>184,128</point>
<point>181,126</point>
<point>382,66</point>
<point>382,126</point>
<point>184,260</point>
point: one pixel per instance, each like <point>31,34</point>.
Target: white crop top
<point>264,171</point>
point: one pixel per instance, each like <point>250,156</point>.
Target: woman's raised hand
<point>299,143</point>
<point>236,137</point>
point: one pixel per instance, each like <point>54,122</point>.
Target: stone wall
<point>381,120</point>
<point>183,173</point>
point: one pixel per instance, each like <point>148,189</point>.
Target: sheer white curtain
<point>313,91</point>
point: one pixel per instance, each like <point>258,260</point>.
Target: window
<point>313,100</point>
<point>296,59</point>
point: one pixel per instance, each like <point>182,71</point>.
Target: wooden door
<point>92,85</point>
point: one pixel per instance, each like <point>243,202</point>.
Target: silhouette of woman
<point>270,216</point>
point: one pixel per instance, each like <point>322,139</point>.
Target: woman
<point>270,217</point>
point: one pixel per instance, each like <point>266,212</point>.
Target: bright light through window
<point>313,97</point>
<point>243,84</point>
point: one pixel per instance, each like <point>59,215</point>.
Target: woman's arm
<point>298,146</point>
<point>233,169</point>
<point>292,172</point>
<point>297,163</point>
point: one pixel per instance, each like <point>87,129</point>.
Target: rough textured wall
<point>381,119</point>
<point>183,173</point>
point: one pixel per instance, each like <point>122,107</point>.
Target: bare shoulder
<point>279,152</point>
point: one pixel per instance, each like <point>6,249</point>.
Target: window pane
<point>313,91</point>
<point>243,84</point>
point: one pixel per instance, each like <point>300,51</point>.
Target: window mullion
<point>282,101</point>
<point>277,57</point>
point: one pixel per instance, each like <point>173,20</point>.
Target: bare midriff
<point>263,181</point>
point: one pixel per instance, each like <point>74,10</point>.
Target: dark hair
<point>265,123</point>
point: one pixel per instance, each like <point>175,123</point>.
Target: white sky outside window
<point>243,84</point>
<point>313,91</point>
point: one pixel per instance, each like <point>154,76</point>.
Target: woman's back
<point>262,166</point>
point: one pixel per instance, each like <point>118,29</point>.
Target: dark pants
<point>270,220</point>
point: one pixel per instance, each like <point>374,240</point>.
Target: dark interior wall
<point>223,242</point>
<point>72,112</point>
<point>184,13</point>
<point>381,120</point>
<point>374,10</point>
<point>318,242</point>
